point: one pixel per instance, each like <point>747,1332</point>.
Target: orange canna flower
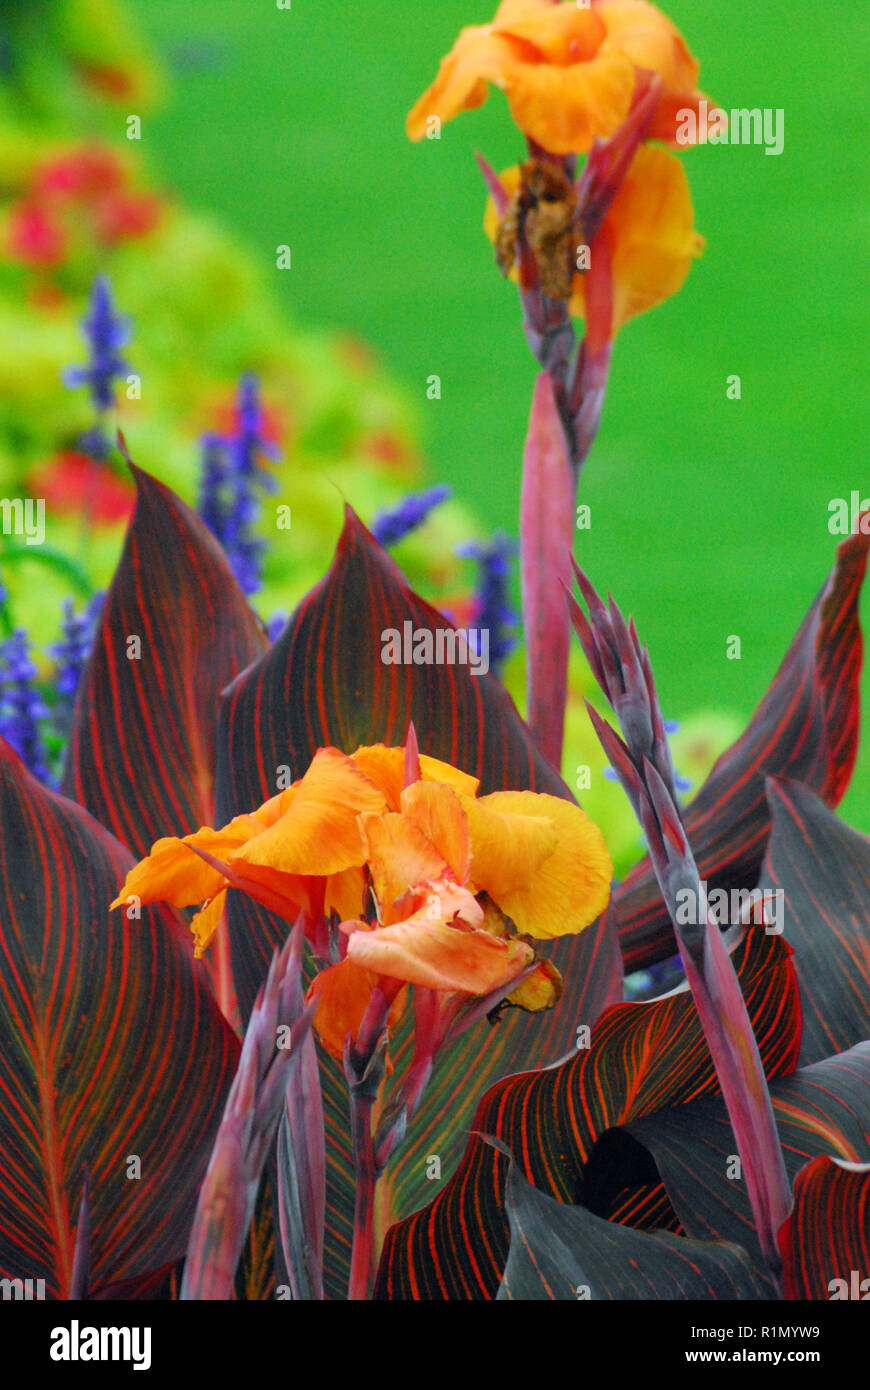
<point>448,870</point>
<point>569,73</point>
<point>646,242</point>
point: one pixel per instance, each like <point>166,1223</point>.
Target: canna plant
<point>118,1046</point>
<point>312,970</point>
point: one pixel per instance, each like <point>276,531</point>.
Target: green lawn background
<point>709,515</point>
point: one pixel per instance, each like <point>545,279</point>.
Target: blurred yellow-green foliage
<point>202,312</point>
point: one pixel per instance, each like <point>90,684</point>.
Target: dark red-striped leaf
<point>324,683</point>
<point>820,1110</point>
<point>806,728</point>
<point>825,1242</point>
<point>823,869</point>
<point>141,756</point>
<point>643,1057</point>
<point>111,1048</point>
<point>561,1254</point>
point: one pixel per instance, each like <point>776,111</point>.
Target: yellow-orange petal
<point>344,893</point>
<point>539,990</point>
<point>565,109</point>
<point>343,992</point>
<point>318,834</point>
<point>437,956</point>
<point>642,33</point>
<point>206,922</point>
<point>434,770</point>
<point>172,873</point>
<point>650,234</point>
<point>560,34</point>
<point>386,768</point>
<point>570,886</point>
<point>399,857</point>
<point>477,57</point>
<point>436,810</point>
<point>512,833</point>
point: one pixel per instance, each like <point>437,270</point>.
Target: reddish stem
<point>364,1206</point>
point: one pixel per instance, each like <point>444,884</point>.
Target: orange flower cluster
<point>572,76</point>
<point>569,73</point>
<point>449,871</point>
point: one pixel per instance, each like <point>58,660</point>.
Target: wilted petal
<point>539,990</point>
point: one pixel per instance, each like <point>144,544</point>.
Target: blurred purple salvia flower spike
<point>643,764</point>
<point>271,1052</point>
<point>393,525</point>
<point>105,332</point>
<point>22,709</point>
<point>231,479</point>
<point>212,501</point>
<point>70,654</point>
<point>493,611</point>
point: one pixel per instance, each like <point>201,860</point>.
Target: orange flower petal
<point>386,768</point>
<point>560,34</point>
<point>205,923</point>
<point>433,770</point>
<point>343,992</point>
<point>566,109</point>
<point>646,36</point>
<point>318,834</point>
<point>399,857</point>
<point>436,810</point>
<point>512,833</point>
<point>344,893</point>
<point>284,894</point>
<point>569,887</point>
<point>437,956</point>
<point>173,873</point>
<point>569,72</point>
<point>477,57</point>
<point>650,232</point>
<point>443,900</point>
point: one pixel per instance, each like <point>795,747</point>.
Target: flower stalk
<point>642,762</point>
<point>272,1050</point>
